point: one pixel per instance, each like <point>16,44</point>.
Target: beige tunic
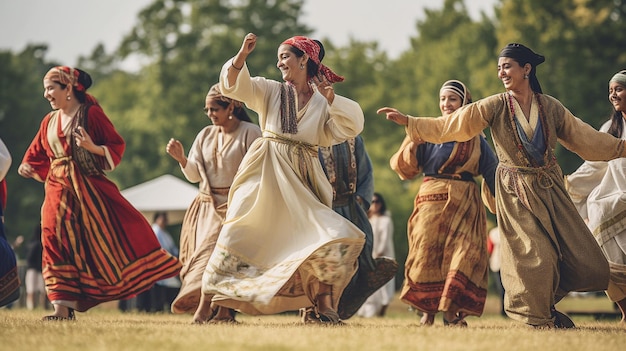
<point>547,250</point>
<point>213,164</point>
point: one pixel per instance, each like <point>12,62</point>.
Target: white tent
<point>165,193</point>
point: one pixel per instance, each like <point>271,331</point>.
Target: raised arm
<point>248,45</point>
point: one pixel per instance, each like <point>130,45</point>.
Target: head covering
<point>457,87</point>
<point>311,48</point>
<point>216,94</point>
<point>524,55</point>
<point>66,76</point>
<point>619,77</point>
<point>72,76</point>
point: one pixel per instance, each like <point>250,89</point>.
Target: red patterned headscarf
<point>68,76</point>
<point>312,49</point>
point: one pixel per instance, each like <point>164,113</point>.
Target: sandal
<point>561,320</point>
<point>458,321</point>
<point>70,316</point>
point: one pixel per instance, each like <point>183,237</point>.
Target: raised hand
<point>175,149</point>
<point>324,87</point>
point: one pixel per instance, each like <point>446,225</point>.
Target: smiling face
<point>617,97</point>
<point>216,112</point>
<point>449,102</point>
<point>55,94</point>
<point>289,64</point>
<point>512,74</point>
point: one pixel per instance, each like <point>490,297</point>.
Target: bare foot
<point>427,319</point>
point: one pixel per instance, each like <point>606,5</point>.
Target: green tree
<point>22,108</point>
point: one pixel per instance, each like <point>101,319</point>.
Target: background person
<point>447,265</point>
<point>382,226</point>
<point>213,160</point>
<point>349,171</point>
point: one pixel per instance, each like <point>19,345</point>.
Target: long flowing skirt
<point>96,246</point>
<point>447,263</point>
<point>280,237</point>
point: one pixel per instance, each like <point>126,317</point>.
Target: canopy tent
<point>165,193</point>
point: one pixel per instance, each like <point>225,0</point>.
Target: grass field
<point>105,328</point>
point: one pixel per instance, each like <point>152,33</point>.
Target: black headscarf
<point>524,55</point>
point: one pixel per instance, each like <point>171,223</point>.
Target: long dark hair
<point>83,78</point>
<point>238,111</point>
<point>381,200</point>
<point>617,124</point>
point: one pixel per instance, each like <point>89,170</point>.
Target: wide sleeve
<point>364,172</point>
<point>252,91</point>
<point>462,125</point>
<point>581,138</point>
<point>36,154</point>
<point>487,164</point>
<point>345,120</point>
<point>404,162</point>
<point>191,171</point>
<point>103,133</point>
<point>5,160</point>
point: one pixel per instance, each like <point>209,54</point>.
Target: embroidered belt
<point>301,145</point>
<point>543,177</point>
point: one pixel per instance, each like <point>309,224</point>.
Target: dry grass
<point>105,328</point>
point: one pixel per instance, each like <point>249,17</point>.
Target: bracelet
<point>233,66</point>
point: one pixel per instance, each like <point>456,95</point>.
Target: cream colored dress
<point>281,236</point>
<point>598,190</point>
<point>212,162</point>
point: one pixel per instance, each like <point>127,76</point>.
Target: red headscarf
<point>312,49</point>
<point>68,76</point>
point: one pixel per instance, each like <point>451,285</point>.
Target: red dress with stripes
<point>96,246</point>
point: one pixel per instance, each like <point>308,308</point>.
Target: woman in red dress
<point>96,246</point>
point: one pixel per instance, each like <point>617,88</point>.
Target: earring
<point>230,117</point>
<point>68,98</point>
<point>525,76</point>
<point>301,66</point>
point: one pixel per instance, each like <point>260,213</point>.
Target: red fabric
<point>312,49</point>
<point>3,193</point>
<point>96,246</point>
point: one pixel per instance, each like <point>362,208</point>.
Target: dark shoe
<point>561,320</point>
<point>70,317</point>
<point>352,300</point>
<point>310,315</point>
<point>456,322</point>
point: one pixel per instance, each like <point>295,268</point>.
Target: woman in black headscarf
<point>547,250</point>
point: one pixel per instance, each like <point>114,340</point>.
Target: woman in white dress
<point>282,247</point>
<point>599,191</point>
<point>382,226</point>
